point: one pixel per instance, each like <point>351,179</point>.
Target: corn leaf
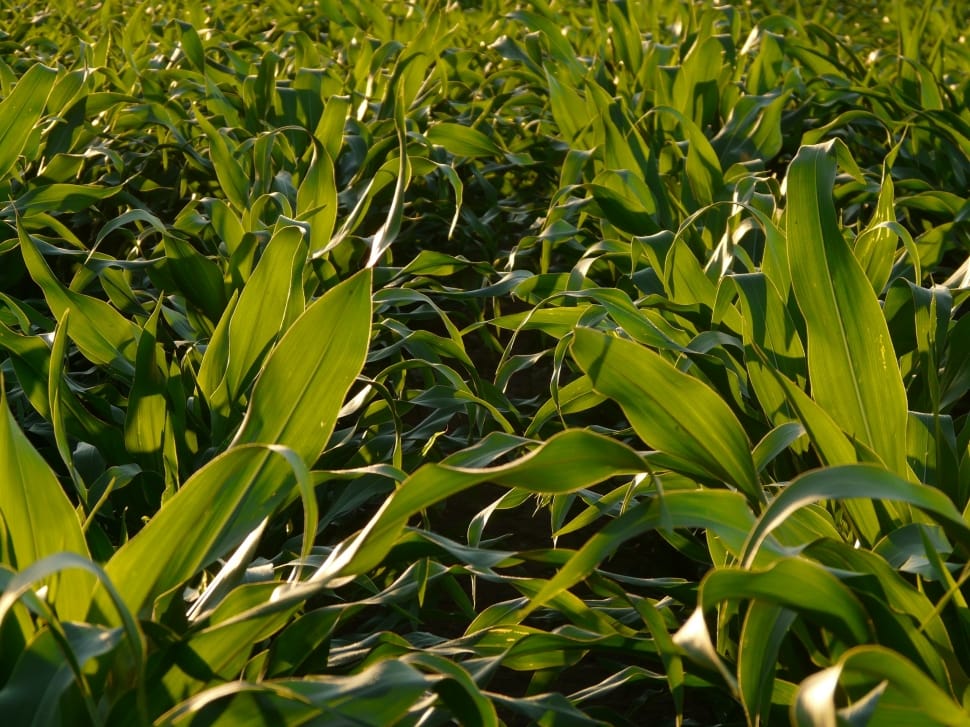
<point>21,110</point>
<point>851,362</point>
<point>40,521</point>
<point>303,384</point>
<point>670,410</point>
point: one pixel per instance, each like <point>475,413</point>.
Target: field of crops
<point>426,362</point>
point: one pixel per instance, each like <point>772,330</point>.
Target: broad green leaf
<point>227,226</point>
<point>21,110</point>
<point>392,224</point>
<point>225,501</point>
<point>56,389</point>
<point>54,677</point>
<point>931,450</point>
<point>457,690</point>
<point>307,376</point>
<point>30,357</point>
<point>851,363</point>
<point>684,277</point>
<point>380,695</point>
<point>567,107</point>
<point>767,325</point>
<point>723,512</point>
<point>272,298</point>
<point>898,594</point>
<point>211,377</point>
<point>576,396</point>
<point>330,130</point>
<point>559,47</point>
<point>44,680</point>
<point>695,87</point>
<point>197,277</point>
<point>625,201</point>
<point>462,140</point>
<point>40,521</point>
<point>670,410</point>
<point>765,627</point>
<point>875,247</point>
<point>226,645</point>
<point>752,128</point>
<point>775,442</point>
<point>233,180</point>
<point>702,168</point>
<point>316,200</point>
<point>795,583</point>
<point>61,198</point>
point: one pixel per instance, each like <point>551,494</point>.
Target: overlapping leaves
<point>414,363</point>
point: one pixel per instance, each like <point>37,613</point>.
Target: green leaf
<point>875,247</point>
<point>102,334</point>
<point>225,501</point>
<point>74,644</point>
<point>147,422</point>
<point>272,298</point>
<point>55,386</point>
<point>61,198</point>
<point>578,458</point>
<point>20,111</point>
<point>197,277</point>
<point>388,232</point>
<point>723,512</point>
<point>567,107</point>
<point>192,46</point>
<point>382,694</point>
<point>795,583</point>
<point>307,376</point>
<point>765,627</point>
<point>40,520</point>
<point>457,690</point>
<point>862,481</point>
<point>233,180</point>
<point>670,410</point>
<point>851,362</point>
<point>915,693</point>
<point>767,325</point>
<point>30,357</point>
<point>462,140</point>
<point>226,645</point>
<point>316,199</point>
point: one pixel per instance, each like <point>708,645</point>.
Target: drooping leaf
<point>102,334</point>
<point>856,481</point>
<point>670,410</point>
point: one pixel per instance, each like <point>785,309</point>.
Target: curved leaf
<point>670,410</point>
<point>862,481</point>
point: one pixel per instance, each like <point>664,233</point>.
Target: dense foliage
<point>420,362</point>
